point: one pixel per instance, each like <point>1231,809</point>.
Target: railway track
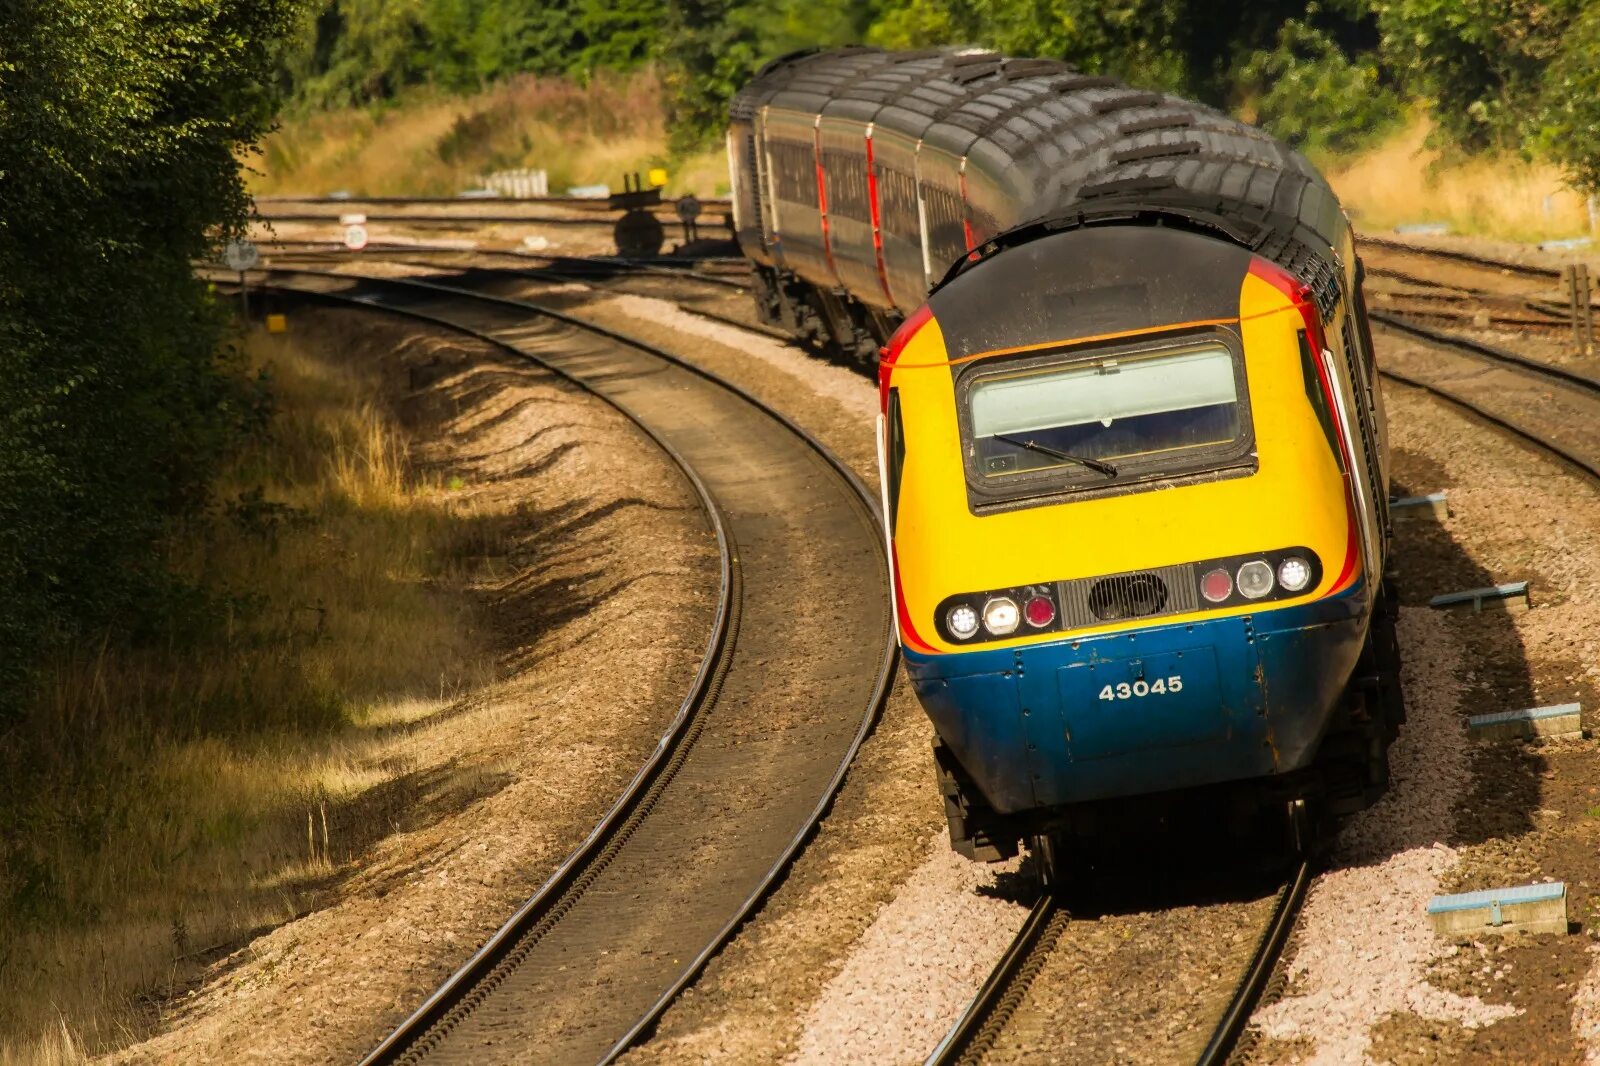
<point>456,212</point>
<point>1550,406</point>
<point>724,271</point>
<point>789,689</point>
<point>1003,1001</point>
<point>1004,994</point>
<point>1452,288</point>
<point>466,204</point>
<point>1485,266</point>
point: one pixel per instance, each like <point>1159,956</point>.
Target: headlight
<point>963,621</point>
<point>1294,573</point>
<point>1255,579</point>
<point>1000,616</point>
<point>1217,585</point>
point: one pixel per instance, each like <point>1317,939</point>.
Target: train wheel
<point>1310,832</point>
<point>1048,860</point>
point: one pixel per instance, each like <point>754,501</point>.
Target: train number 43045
<point>1137,689</point>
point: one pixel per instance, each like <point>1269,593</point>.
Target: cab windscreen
<point>1106,416</point>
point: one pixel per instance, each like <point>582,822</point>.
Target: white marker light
<point>963,621</point>
<point>1294,573</point>
<point>1001,616</point>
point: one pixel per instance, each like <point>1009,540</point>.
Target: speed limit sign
<point>241,256</point>
<point>355,231</point>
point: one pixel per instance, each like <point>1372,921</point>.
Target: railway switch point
<point>1539,908</point>
<point>1534,723</point>
<point>1512,598</point>
<point>1412,508</point>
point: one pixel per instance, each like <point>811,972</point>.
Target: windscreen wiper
<point>1097,465</point>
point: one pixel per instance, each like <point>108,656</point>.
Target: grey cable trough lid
<point>1488,897</point>
<point>1421,501</point>
<point>1476,597</point>
<point>1531,714</point>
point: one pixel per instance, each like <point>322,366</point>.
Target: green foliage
<point>711,47</point>
<point>365,51</point>
<point>1309,92</point>
<point>1324,74</point>
<point>118,130</point>
<point>1482,63</point>
<point>1568,121</point>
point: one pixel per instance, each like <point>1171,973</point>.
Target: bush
<point>1481,63</point>
<point>1568,125</point>
<point>1308,92</point>
<point>119,126</point>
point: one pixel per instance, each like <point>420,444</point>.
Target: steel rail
<point>1474,320</point>
<point>581,202</point>
<point>986,1015</point>
<point>666,266</point>
<point>1588,466</point>
<point>597,219</point>
<point>1461,257</point>
<point>396,1044</point>
<point>713,664</point>
<point>1489,352</point>
<point>1225,1037</point>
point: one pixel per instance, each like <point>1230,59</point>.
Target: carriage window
<point>795,167</point>
<point>847,184</point>
<point>947,238</point>
<point>1096,418</point>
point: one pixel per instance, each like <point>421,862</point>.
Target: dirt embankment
<point>596,589</point>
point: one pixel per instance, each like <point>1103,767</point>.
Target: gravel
<point>917,966</point>
<point>1364,941</point>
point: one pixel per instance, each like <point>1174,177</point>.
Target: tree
<point>1309,92</point>
<point>119,128</point>
<point>1482,63</point>
<point>1568,120</point>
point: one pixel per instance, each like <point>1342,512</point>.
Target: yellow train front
<point>1134,478</point>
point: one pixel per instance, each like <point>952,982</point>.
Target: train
<point>1133,453</point>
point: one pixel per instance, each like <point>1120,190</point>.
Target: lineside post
<point>1586,306</point>
<point>1569,278</point>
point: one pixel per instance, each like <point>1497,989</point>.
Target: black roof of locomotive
<point>1096,150</point>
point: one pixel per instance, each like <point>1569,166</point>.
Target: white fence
<point>519,184</point>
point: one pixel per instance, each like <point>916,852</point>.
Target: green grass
<point>165,802</point>
<point>428,143</point>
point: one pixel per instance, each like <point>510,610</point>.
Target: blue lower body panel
<point>1148,710</point>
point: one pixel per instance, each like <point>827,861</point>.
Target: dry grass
<point>430,144</point>
<point>181,797</point>
<point>1402,181</point>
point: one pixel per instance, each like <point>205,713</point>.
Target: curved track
<point>1547,405</point>
<point>1551,406</point>
<point>587,965</point>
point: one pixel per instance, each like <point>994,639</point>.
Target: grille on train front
<point>1139,594</point>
